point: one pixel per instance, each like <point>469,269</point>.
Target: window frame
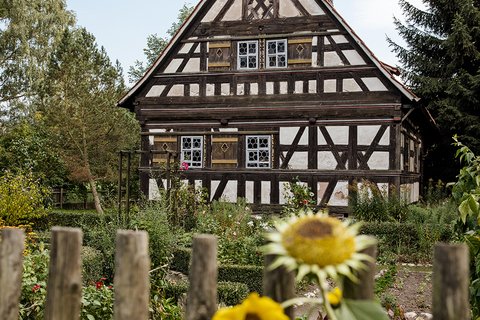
<point>248,55</point>
<point>276,54</point>
<point>192,164</point>
<point>258,149</point>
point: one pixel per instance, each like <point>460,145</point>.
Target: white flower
<point>250,223</point>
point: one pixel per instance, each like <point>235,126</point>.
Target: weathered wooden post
<point>64,286</point>
<point>364,288</point>
<point>11,268</point>
<point>279,284</point>
<point>202,293</point>
<point>450,282</point>
<point>132,285</point>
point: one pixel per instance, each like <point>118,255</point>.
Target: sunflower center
<point>315,229</point>
<point>252,316</point>
<point>319,240</point>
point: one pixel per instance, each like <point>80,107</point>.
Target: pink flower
<point>184,166</point>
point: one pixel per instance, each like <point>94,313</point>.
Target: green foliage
<point>156,44</point>
<point>466,192</point>
<point>26,147</point>
<point>239,232</point>
<point>298,197</point>
<point>28,33</point>
<point>34,283</point>
<point>79,107</point>
<point>152,217</point>
<point>22,199</point>
<point>97,302</point>
<point>441,62</point>
<point>374,204</point>
<point>386,281</point>
<point>252,276</point>
<point>229,293</point>
<point>69,218</point>
<point>92,265</point>
<point>181,260</point>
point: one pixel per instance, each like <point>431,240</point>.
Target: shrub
<point>153,219</point>
<point>22,199</point>
<point>230,293</point>
<point>67,218</point>
<point>181,260</point>
<point>252,276</point>
<point>92,265</point>
<point>374,204</point>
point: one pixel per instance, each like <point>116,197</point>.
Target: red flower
<point>99,284</point>
<point>305,202</point>
<point>184,166</point>
<point>36,288</point>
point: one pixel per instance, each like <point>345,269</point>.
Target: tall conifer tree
<point>441,62</point>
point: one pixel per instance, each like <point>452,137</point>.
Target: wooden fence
<point>131,281</point>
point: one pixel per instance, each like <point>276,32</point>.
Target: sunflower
<point>318,244</point>
<point>253,308</point>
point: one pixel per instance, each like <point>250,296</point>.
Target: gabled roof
<point>388,71</point>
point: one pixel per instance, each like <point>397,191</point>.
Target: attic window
<point>277,53</point>
<point>247,55</point>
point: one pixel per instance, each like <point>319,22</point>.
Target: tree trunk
<point>96,198</point>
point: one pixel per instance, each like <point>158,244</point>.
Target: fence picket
<point>64,286</point>
<point>11,268</point>
<point>132,283</point>
<point>202,293</point>
<point>279,284</point>
<point>451,282</point>
<point>364,288</point>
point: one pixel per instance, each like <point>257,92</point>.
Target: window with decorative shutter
<point>299,52</point>
<point>164,143</point>
<point>224,151</point>
<point>219,56</point>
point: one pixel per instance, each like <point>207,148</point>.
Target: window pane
<point>243,62</point>
<point>281,47</point>
<point>252,48</point>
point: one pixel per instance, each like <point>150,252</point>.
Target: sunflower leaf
<point>360,310</point>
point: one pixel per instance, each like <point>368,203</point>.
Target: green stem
<point>326,303</point>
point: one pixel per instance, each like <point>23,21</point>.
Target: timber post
<point>202,293</point>
<point>364,288</point>
<point>279,284</point>
<point>451,282</point>
<point>132,283</point>
<point>11,268</point>
<point>64,286</point>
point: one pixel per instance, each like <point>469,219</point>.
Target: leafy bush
<point>374,204</point>
<point>92,265</point>
<point>97,302</point>
<point>252,276</point>
<point>239,233</point>
<point>84,219</point>
<point>298,197</point>
<point>181,260</point>
<point>154,219</point>
<point>229,293</point>
<point>22,199</point>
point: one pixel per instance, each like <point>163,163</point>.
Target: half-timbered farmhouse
<point>253,94</point>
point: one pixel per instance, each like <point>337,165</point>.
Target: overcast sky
<point>122,26</point>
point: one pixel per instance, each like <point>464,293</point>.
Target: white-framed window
<point>192,151</point>
<point>247,55</point>
<point>258,151</point>
<point>276,53</point>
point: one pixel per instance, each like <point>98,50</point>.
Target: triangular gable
<point>229,11</point>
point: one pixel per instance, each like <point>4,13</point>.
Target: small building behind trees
<point>255,94</point>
